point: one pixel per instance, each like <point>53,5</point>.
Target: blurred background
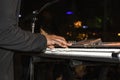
<point>73,19</point>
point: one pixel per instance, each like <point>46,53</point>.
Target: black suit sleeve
<point>16,39</point>
<point>11,36</point>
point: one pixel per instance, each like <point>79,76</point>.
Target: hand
<point>53,40</point>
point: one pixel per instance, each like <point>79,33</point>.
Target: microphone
<point>46,5</point>
<point>36,12</point>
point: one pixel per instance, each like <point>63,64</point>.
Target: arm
<point>11,36</point>
<point>16,39</point>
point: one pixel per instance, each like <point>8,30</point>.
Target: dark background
<point>101,17</point>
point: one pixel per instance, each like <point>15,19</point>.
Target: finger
<point>59,41</point>
<point>51,42</point>
<point>59,37</point>
<point>61,44</point>
<point>51,47</point>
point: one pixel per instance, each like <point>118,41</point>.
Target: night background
<point>75,20</point>
<point>98,18</point>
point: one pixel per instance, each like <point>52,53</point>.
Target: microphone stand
<point>34,20</point>
<point>35,13</point>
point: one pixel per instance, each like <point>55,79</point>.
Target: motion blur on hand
<point>53,40</point>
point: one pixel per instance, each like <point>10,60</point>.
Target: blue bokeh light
<point>69,12</point>
<point>85,27</point>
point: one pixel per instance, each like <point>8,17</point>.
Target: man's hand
<point>53,40</point>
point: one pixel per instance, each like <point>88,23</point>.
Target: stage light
<point>77,24</point>
<point>69,12</point>
<point>118,34</point>
<point>85,27</point>
<point>19,15</point>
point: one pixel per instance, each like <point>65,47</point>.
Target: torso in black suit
<point>12,38</point>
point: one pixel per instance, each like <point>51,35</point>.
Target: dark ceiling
<point>84,10</point>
